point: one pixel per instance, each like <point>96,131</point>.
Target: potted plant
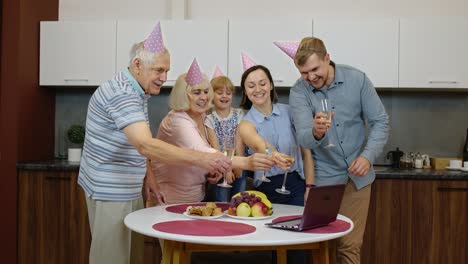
<point>76,135</point>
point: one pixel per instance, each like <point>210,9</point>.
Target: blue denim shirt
<point>278,129</point>
<point>357,106</point>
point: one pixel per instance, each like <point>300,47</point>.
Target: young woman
<point>269,123</point>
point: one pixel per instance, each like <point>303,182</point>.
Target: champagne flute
<point>269,148</point>
<point>291,158</point>
<point>229,148</point>
<point>327,111</point>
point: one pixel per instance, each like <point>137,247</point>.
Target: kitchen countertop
<point>382,172</point>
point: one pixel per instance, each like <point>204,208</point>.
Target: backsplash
<point>429,122</point>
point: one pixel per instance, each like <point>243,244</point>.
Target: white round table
<point>177,247</point>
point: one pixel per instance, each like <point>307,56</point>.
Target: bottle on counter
<point>465,148</point>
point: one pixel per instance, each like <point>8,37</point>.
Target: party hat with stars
<point>247,62</point>
<point>154,41</point>
<point>217,72</point>
<point>288,47</point>
<point>194,75</point>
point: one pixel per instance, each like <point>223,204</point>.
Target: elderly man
<point>117,145</point>
<point>355,105</point>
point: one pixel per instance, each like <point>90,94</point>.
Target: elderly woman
<point>184,126</point>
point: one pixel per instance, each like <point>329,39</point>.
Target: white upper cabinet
<point>369,44</point>
<point>433,52</point>
<point>255,38</point>
<point>77,53</point>
<point>204,40</point>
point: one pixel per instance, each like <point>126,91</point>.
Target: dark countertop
<point>52,165</point>
<point>381,172</point>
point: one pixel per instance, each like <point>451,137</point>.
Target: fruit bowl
<point>250,205</point>
<point>248,217</point>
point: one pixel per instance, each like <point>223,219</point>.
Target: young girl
<point>221,123</point>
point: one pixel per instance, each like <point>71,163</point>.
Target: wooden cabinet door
<point>449,230</point>
<point>77,53</point>
<point>53,225</point>
<point>370,44</point>
<point>204,40</point>
<point>30,218</point>
<point>417,221</point>
<point>255,38</point>
<point>433,52</point>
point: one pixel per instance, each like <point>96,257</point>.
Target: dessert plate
<point>201,217</point>
<point>464,169</point>
<point>453,168</point>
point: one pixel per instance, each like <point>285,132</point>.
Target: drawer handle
<point>442,82</point>
<point>53,178</point>
<point>76,80</point>
<point>452,189</point>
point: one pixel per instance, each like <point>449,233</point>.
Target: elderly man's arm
<point>139,135</point>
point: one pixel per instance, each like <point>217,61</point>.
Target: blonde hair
<point>220,82</point>
<point>179,97</point>
<point>307,47</point>
<point>146,57</point>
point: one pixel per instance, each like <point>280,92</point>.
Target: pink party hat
<point>194,74</point>
<point>289,47</point>
<point>154,41</point>
<point>247,62</point>
<point>217,72</point>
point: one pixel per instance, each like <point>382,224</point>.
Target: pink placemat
<point>204,228</point>
<point>334,227</point>
<point>180,208</point>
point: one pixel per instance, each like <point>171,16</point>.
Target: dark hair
<point>246,103</point>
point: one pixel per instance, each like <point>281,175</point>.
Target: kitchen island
<point>415,216</point>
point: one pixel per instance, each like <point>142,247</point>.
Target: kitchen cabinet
<point>417,221</point>
<point>52,218</point>
<point>204,40</point>
<point>255,38</point>
<point>77,53</point>
<point>369,44</point>
<point>433,52</point>
<point>53,225</point>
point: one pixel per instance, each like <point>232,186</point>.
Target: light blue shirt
<point>354,101</point>
<point>279,131</point>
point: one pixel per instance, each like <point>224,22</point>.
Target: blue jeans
<point>225,194</point>
<point>296,185</point>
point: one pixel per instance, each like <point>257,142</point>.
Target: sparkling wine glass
<point>326,109</point>
<point>269,149</point>
<point>291,158</point>
<point>229,147</point>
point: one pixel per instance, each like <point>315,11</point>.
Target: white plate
<point>201,217</point>
<point>464,169</point>
<point>248,217</point>
<point>453,168</point>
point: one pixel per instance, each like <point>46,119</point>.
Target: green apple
<point>243,209</point>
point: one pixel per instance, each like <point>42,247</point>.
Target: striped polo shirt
<point>111,168</point>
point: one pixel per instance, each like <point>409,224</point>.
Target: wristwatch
<point>310,185</point>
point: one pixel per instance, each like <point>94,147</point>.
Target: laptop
<point>323,204</point>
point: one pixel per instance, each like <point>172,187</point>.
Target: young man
<point>356,106</point>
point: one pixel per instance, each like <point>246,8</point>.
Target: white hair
<point>146,57</point>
